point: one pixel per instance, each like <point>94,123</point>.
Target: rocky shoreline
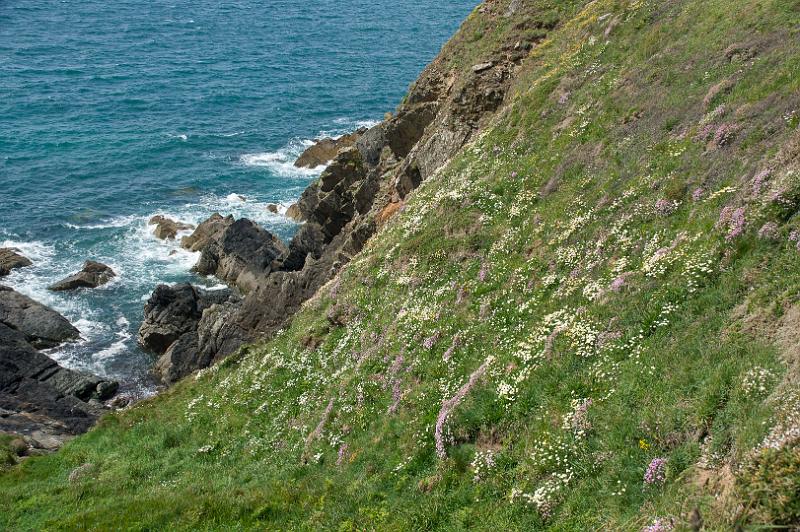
<point>368,175</point>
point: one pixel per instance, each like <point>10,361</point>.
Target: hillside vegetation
<point>588,320</point>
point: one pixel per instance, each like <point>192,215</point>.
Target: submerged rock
<point>41,326</point>
<point>11,259</point>
<point>166,228</point>
<point>92,275</point>
<point>324,150</point>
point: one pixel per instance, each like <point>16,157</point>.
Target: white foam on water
<point>116,222</point>
<point>115,349</point>
<point>281,162</point>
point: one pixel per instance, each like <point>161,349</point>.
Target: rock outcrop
<point>182,325</point>
<point>206,231</point>
<point>324,150</point>
<point>166,228</point>
<point>39,398</point>
<point>241,254</point>
<point>92,275</point>
<point>41,326</point>
<point>11,259</point>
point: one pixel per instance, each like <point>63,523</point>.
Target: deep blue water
<point>111,112</point>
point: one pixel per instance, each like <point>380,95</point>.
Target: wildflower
<point>736,226</point>
<point>450,404</point>
<point>759,181</point>
<point>431,341</point>
<point>618,283</point>
<point>449,353</point>
<point>660,525</point>
<point>656,472</point>
<point>756,382</point>
<point>578,419</point>
<point>483,273</point>
<point>769,231</point>
<point>482,465</point>
<point>643,445</point>
<point>665,207</point>
<point>698,193</point>
<point>342,454</point>
<point>205,449</point>
<point>724,135</point>
<point>514,175</point>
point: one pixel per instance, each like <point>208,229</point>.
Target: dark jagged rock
<point>41,399</point>
<point>324,150</point>
<point>92,275</point>
<point>173,311</point>
<point>206,231</point>
<point>166,228</point>
<point>11,259</point>
<point>241,254</point>
<point>309,240</point>
<point>182,324</point>
<point>42,327</point>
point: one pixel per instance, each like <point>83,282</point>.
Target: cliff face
<point>364,185</point>
<point>558,289</point>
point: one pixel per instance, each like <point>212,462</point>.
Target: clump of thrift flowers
<point>665,207</point>
<point>656,472</point>
<point>769,231</point>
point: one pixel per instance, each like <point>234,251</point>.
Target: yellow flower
<point>643,445</point>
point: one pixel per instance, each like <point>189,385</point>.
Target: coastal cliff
<point>556,290</point>
<point>368,176</point>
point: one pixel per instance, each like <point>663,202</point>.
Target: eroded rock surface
<point>182,324</point>
<point>240,254</point>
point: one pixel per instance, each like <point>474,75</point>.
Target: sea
<point>113,112</point>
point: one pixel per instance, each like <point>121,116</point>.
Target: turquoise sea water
<point>111,112</point>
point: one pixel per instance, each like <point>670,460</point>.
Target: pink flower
<point>483,273</point>
<point>769,231</point>
<point>736,225</point>
<point>665,207</point>
<point>431,341</point>
<point>656,472</point>
<point>342,454</point>
<point>450,404</point>
<point>724,135</point>
<point>698,193</point>
<point>759,181</point>
<point>618,283</point>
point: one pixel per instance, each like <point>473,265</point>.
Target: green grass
<point>481,264</point>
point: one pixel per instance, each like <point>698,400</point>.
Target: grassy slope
<point>509,256</point>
